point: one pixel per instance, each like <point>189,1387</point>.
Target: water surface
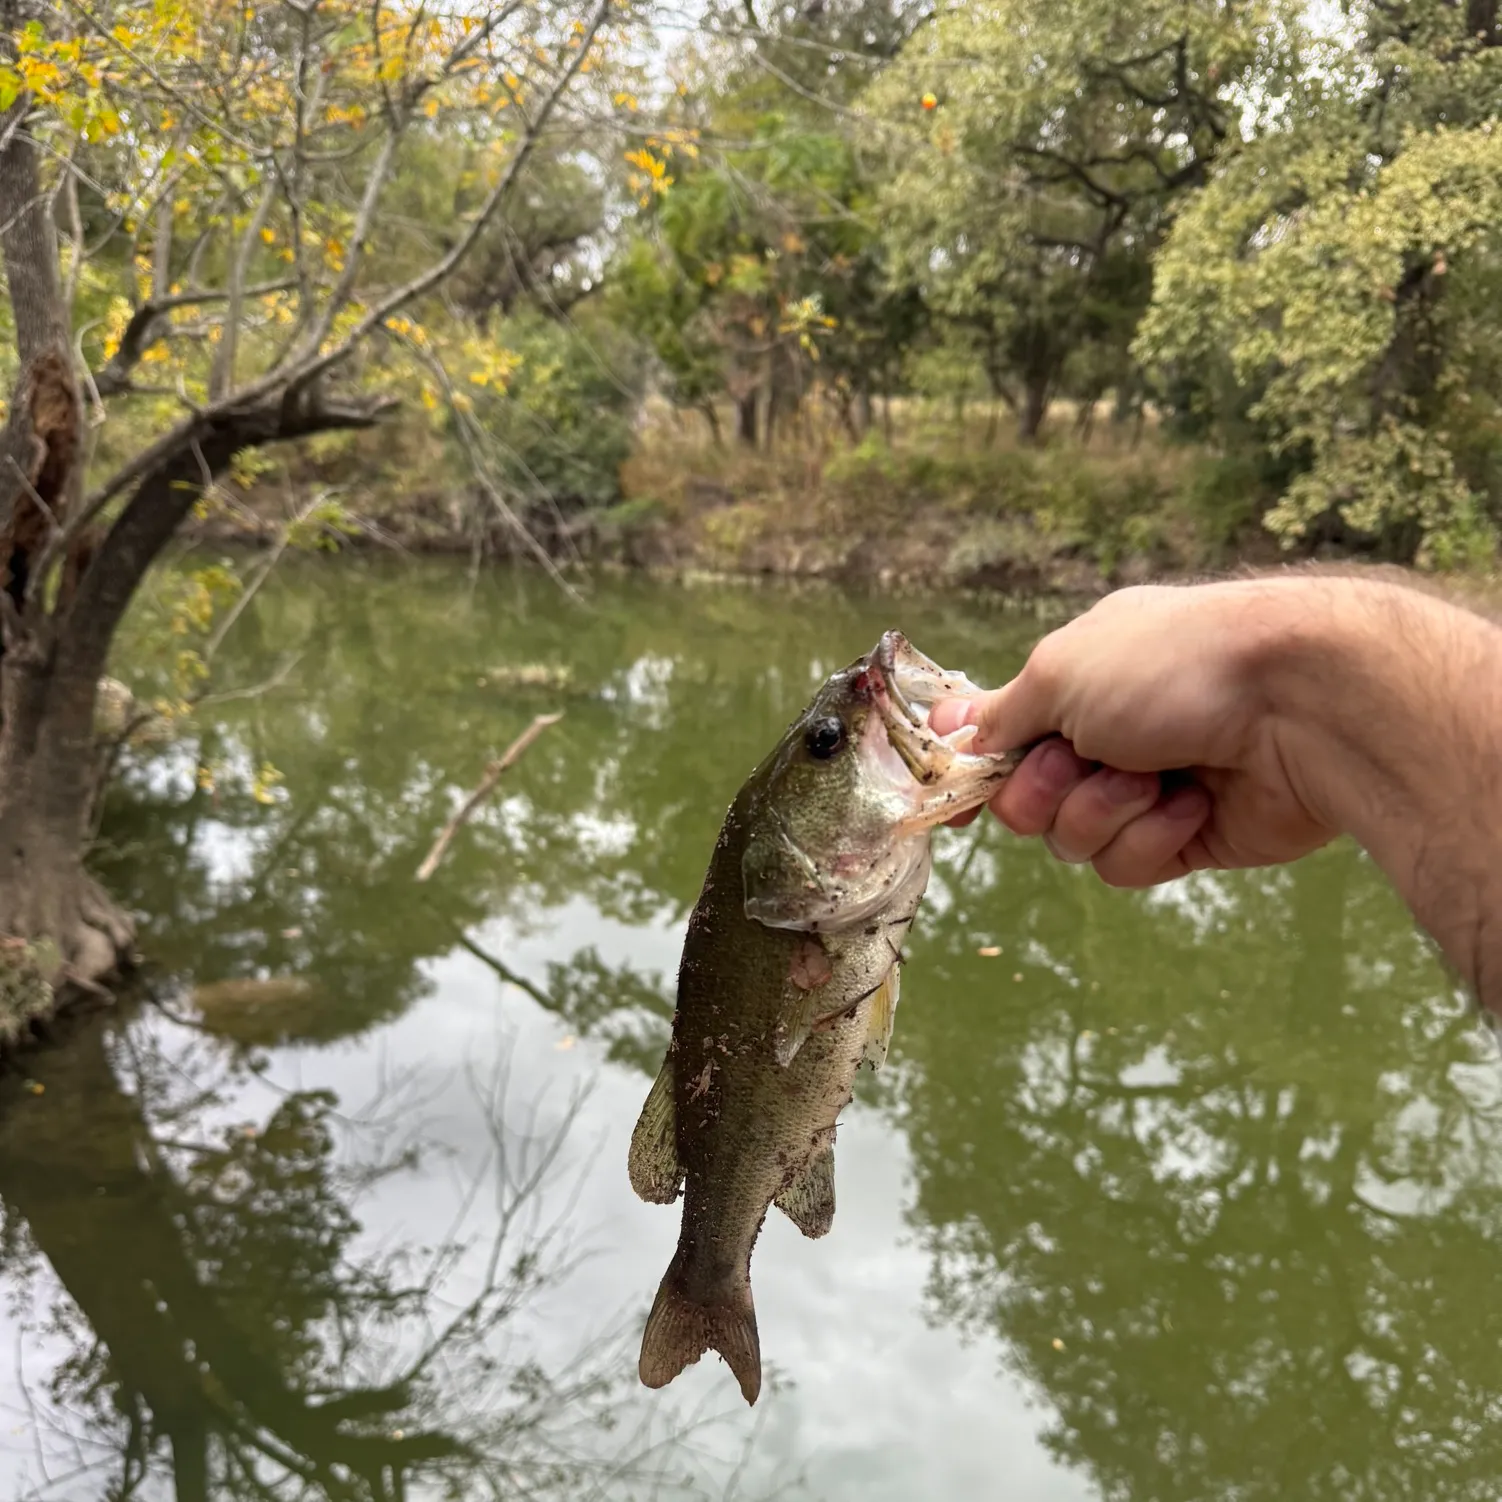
<point>1180,1196</point>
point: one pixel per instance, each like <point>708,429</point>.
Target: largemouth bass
<point>788,982</point>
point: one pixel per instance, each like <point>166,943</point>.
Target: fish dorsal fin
<point>806,999</point>
<point>656,1173</point>
<point>808,1201</point>
<point>879,1021</point>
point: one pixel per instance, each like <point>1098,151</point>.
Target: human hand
<point>1155,681</point>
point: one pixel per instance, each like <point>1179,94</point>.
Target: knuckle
<point>1024,816</point>
<point>1045,663</point>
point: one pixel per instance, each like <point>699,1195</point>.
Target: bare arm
<point>1285,711</point>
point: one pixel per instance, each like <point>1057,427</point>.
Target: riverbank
<point>925,500</point>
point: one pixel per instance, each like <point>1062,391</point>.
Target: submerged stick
<point>483,791</point>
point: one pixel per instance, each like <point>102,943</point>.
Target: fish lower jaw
<point>952,795</point>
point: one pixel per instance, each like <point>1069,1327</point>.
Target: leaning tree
<point>201,258</point>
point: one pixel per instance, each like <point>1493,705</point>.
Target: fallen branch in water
<point>483,791</point>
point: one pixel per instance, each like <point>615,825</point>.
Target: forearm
<point>1386,710</point>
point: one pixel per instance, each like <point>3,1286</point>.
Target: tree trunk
<point>771,400</point>
<point>47,769</point>
<point>1033,409</point>
<point>1001,390</point>
<point>1084,422</point>
<point>745,419</point>
<point>712,417</point>
<point>47,759</point>
<point>863,413</point>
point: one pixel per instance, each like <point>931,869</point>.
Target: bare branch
<point>483,790</point>
<point>256,690</point>
<point>144,329</point>
<point>223,628</point>
<point>222,374</point>
<point>307,103</point>
<point>425,281</point>
<point>68,186</point>
<point>184,101</point>
<point>375,184</point>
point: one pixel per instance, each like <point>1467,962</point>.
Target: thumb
<point>1006,718</point>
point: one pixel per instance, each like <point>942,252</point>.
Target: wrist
<point>1353,679</point>
<point>1384,711</point>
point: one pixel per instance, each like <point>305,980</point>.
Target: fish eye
<point>824,738</point>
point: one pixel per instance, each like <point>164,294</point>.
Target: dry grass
<point>930,492</point>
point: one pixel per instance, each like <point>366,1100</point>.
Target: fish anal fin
<point>808,1200</point>
<point>681,1328</point>
<point>656,1173</point>
<point>880,1018</point>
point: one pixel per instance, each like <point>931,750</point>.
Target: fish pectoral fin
<point>796,1016</point>
<point>882,1015</point>
<point>680,1329</point>
<point>656,1173</point>
<point>808,1201</point>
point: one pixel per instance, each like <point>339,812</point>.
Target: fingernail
<point>1059,853</point>
<point>1058,767</point>
<point>1130,787</point>
<point>949,714</point>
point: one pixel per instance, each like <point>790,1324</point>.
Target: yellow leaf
<point>268,235</point>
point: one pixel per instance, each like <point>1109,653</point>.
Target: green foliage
<point>652,296</point>
<point>1341,275</point>
<point>561,428</point>
<point>756,274</point>
<point>1027,190</point>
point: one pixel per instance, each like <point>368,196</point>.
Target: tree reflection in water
<point>1244,1243</point>
<point>217,1326</point>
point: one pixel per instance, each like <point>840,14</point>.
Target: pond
<point>1185,1195</point>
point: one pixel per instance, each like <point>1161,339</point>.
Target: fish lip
<point>888,677</point>
<point>903,686</point>
<point>904,723</point>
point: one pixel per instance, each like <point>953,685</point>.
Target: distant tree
<point>1037,152</point>
<point>1332,293</point>
<point>758,272</point>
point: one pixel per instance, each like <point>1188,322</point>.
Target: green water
<point>1186,1196</point>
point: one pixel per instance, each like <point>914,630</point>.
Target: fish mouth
<point>904,686</point>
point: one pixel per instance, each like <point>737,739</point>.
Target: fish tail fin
<point>680,1329</point>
